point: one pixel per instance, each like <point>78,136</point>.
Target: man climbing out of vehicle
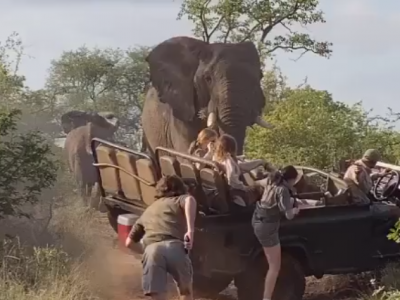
<point>360,179</point>
<point>166,228</point>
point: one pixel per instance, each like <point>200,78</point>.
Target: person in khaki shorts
<point>166,229</point>
<point>360,179</point>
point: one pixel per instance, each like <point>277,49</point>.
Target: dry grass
<point>49,261</point>
<point>46,273</point>
<point>78,262</point>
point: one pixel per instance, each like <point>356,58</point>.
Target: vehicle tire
<point>112,215</point>
<point>250,283</point>
<point>209,287</point>
<point>289,286</point>
<point>291,282</point>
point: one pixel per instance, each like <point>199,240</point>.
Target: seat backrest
<point>212,180</point>
<point>147,171</point>
<point>110,179</point>
<point>169,166</point>
<point>331,186</point>
<point>190,174</point>
<point>341,198</point>
<point>130,185</point>
<point>339,190</point>
<point>188,171</point>
<point>248,179</point>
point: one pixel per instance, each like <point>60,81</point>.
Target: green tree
<point>273,24</point>
<point>312,129</point>
<point>274,86</point>
<point>11,83</point>
<point>101,80</point>
<point>27,165</point>
<point>37,107</point>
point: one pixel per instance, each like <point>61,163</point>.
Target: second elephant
<point>78,145</point>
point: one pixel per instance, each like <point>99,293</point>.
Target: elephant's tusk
<point>211,119</point>
<point>263,123</point>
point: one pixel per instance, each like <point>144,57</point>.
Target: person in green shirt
<point>166,230</point>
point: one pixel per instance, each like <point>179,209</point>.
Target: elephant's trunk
<point>239,100</point>
<point>234,124</point>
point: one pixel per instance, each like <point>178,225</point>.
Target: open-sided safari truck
<point>334,238</point>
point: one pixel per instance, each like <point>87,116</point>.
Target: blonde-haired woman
<point>225,155</point>
<point>203,146</point>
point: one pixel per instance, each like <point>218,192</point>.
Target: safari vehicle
<point>337,237</point>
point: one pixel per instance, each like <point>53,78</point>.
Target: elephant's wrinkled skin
<point>77,146</point>
<point>190,79</point>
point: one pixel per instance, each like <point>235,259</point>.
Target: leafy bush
<point>27,165</point>
<point>394,234</point>
<point>312,129</point>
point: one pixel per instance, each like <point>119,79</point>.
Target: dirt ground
<point>117,275</point>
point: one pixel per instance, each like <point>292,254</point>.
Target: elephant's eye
<point>208,78</point>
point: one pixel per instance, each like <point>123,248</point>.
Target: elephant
<point>196,85</point>
<point>81,128</point>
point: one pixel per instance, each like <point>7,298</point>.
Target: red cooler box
<point>125,224</point>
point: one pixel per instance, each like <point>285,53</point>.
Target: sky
<point>365,64</point>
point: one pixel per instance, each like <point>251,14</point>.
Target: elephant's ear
<point>247,53</point>
<point>73,119</point>
<point>110,120</point>
<point>173,64</point>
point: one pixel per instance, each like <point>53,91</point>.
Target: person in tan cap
<point>360,179</point>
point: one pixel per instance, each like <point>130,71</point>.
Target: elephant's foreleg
<point>83,192</point>
<point>94,199</point>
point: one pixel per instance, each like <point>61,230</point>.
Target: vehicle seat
<point>215,188</point>
<point>169,166</point>
<point>190,175</point>
<point>147,171</point>
<point>130,185</point>
<point>340,192</point>
<point>109,175</point>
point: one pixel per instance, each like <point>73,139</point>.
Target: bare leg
<point>273,255</point>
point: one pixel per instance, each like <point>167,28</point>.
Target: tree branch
<point>258,23</point>
<point>216,27</point>
<point>279,20</point>
<point>292,48</point>
<point>301,55</point>
<point>228,30</point>
<point>206,36</point>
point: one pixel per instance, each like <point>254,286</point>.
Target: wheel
<point>291,282</point>
<point>112,215</point>
<point>250,283</point>
<point>289,286</point>
<point>209,287</point>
